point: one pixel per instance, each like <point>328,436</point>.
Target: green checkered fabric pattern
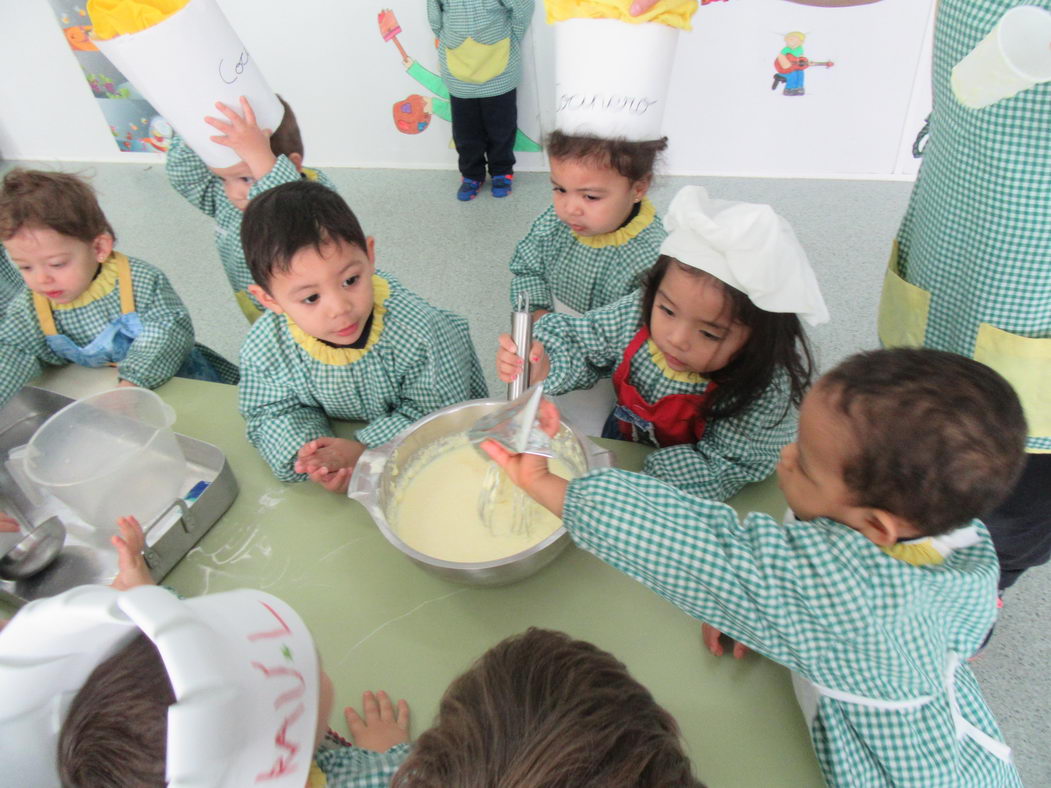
<point>977,233</point>
<point>487,22</point>
<point>153,358</point>
<point>11,283</point>
<point>732,452</point>
<point>821,599</point>
<point>423,361</point>
<point>191,178</point>
<point>551,263</point>
<point>353,767</point>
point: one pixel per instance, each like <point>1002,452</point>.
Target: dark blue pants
<point>1021,525</point>
<point>484,132</point>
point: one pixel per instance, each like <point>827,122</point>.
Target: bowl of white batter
<point>424,487</point>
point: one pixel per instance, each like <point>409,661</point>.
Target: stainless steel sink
<point>88,556</point>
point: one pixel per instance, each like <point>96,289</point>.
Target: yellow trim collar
<point>102,285</point>
<point>684,376</point>
<point>337,356</point>
<point>647,213</point>
<point>933,550</point>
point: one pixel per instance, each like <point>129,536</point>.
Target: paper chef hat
<point>185,63</point>
<point>242,664</point>
<point>612,69</point>
<point>748,246</point>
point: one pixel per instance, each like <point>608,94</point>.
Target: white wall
<point>328,59</point>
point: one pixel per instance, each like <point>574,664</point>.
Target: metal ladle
<point>35,551</point>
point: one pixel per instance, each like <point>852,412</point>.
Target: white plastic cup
<point>109,455</point>
<point>1015,56</point>
<point>611,77</point>
<point>186,63</point>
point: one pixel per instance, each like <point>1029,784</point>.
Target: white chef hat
<point>242,664</point>
<point>749,247</point>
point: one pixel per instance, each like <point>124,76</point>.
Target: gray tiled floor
<point>456,254</point>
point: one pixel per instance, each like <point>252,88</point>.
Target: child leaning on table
<point>339,340</point>
<point>267,159</point>
<point>878,588</point>
<point>84,302</point>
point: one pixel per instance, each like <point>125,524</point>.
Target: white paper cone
<point>611,77</point>
<point>185,64</point>
<point>1014,56</point>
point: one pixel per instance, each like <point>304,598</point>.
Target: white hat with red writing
<point>242,664</point>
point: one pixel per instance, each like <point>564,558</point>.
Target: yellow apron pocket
<point>478,63</point>
<point>251,311</point>
<point>1026,364</point>
<point>903,309</point>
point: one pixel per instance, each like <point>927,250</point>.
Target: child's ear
<point>265,299</point>
<point>640,187</point>
<point>883,528</point>
<point>102,246</point>
<point>297,160</point>
<point>370,250</point>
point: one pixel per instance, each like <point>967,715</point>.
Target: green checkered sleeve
<point>190,177</point>
<point>585,349</point>
<point>166,340</point>
<point>23,350</point>
<point>734,451</point>
<point>530,261</point>
<point>11,282</point>
<point>353,767</point>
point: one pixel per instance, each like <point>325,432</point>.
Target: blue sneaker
<point>502,185</point>
<point>468,189</point>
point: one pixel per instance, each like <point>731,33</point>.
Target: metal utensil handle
<point>522,334</point>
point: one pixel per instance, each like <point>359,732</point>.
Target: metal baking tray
<point>88,556</point>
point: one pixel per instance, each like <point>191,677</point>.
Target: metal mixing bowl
<point>373,485</point>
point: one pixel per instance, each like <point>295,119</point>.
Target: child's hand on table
<point>133,570</point>
<point>8,525</point>
<point>530,471</point>
<point>243,134</point>
<point>509,365</point>
<point>382,726</point>
<point>329,461</point>
<point>710,635</point>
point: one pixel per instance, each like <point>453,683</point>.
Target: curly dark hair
<point>60,201</point>
<point>633,160</point>
<point>939,438</point>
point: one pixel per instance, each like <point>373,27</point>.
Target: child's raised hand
<point>133,570</point>
<point>243,134</point>
<point>382,726</point>
<point>8,525</point>
<point>509,365</point>
<point>710,635</point>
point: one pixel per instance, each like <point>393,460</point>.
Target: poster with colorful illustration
<point>135,125</point>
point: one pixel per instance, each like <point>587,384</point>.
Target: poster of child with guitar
<point>791,65</point>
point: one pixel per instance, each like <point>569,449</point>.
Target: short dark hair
<point>633,160</point>
<point>777,342</point>
<point>292,216</point>
<point>541,708</point>
<point>60,201</point>
<point>287,139</point>
<point>115,735</point>
<point>938,439</point>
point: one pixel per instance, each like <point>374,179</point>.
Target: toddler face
<point>690,322</point>
<point>591,199</point>
<point>57,266</point>
<point>328,293</point>
<point>237,180</point>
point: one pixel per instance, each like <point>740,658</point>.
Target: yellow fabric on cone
<point>674,13</point>
<point>112,18</point>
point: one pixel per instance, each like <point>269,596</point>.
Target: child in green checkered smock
<point>879,587</point>
<point>10,280</point>
<point>971,269</point>
<point>600,234</point>
<point>223,193</point>
<point>339,340</point>
<point>709,358</point>
<point>83,302</point>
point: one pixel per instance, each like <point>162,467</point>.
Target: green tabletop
<point>381,622</point>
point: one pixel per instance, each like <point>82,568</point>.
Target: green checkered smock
<point>11,282</point>
<point>353,767</point>
<point>191,178</point>
<point>417,360</point>
<point>153,358</point>
<point>977,233</point>
<point>821,599</point>
<point>732,452</point>
<point>487,22</point>
<point>584,273</point>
